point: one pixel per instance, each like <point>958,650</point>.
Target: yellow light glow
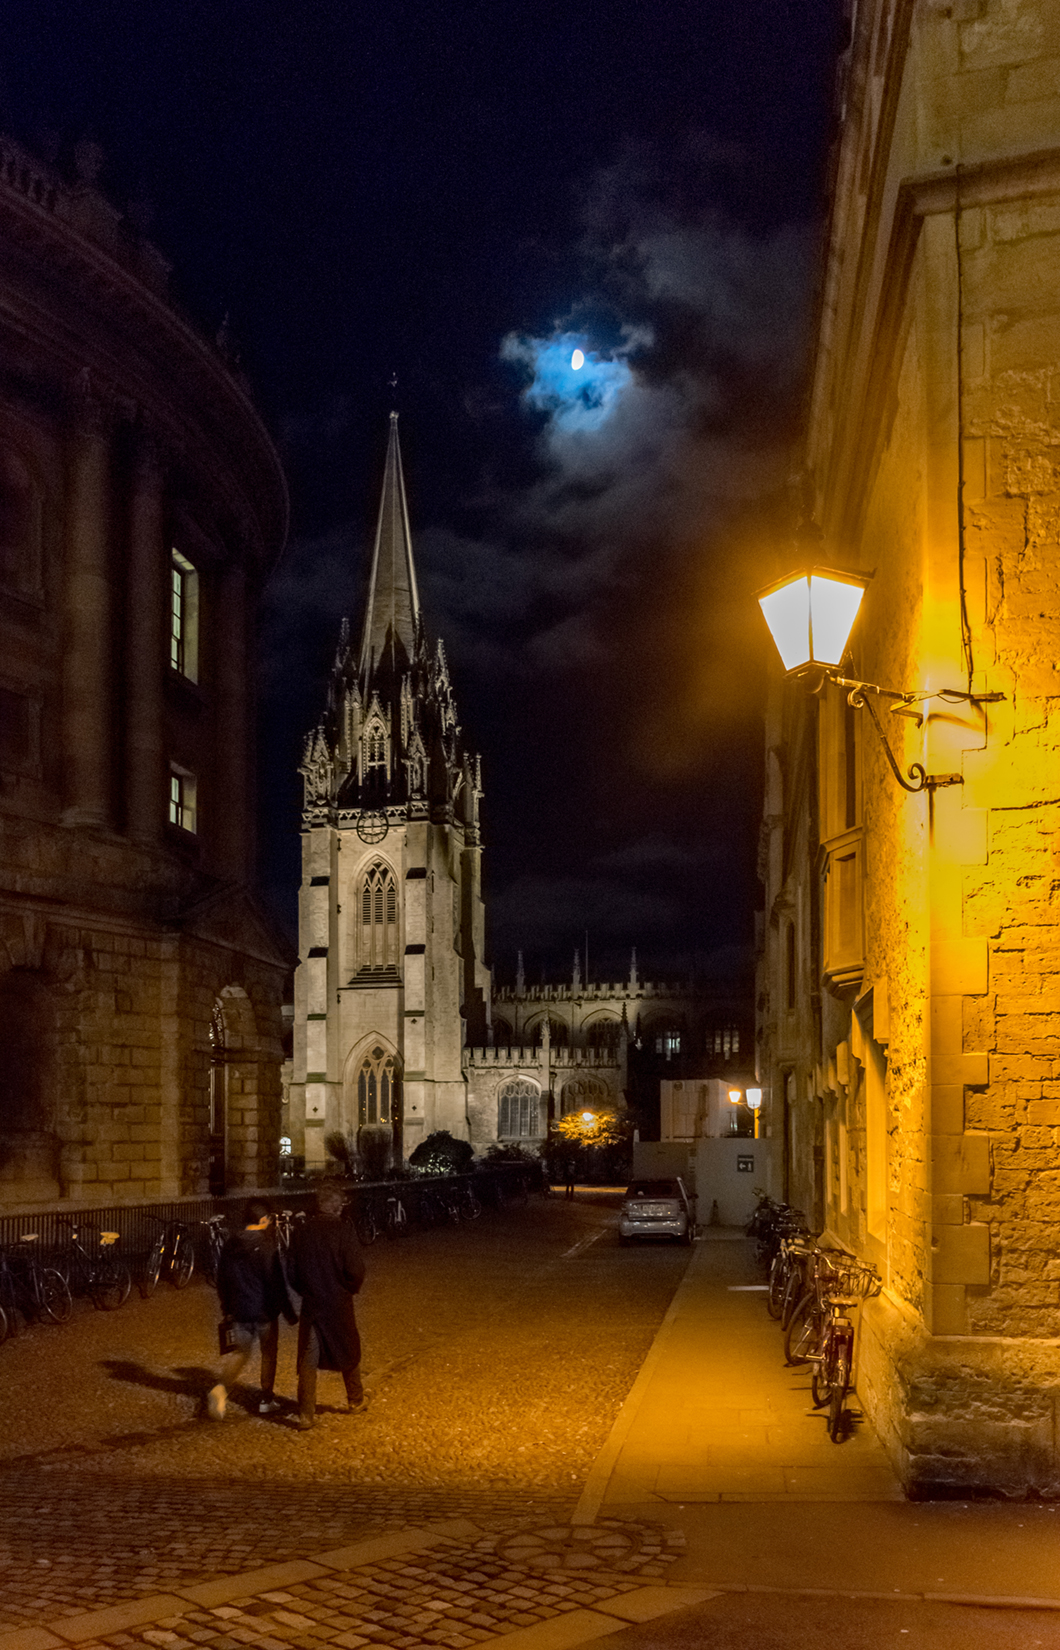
<point>735,1096</point>
<point>587,1116</point>
<point>810,616</point>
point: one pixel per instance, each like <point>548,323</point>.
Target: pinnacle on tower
<point>392,611</point>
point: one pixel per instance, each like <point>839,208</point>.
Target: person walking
<point>253,1295</point>
<point>570,1170</point>
<point>327,1270</point>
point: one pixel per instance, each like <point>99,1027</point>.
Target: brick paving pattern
<point>453,1598</point>
<point>71,1542</point>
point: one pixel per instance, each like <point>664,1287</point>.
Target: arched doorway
<point>234,1148</point>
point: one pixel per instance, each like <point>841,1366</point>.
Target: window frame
<point>184,615</point>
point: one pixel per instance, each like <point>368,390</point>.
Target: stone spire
<point>392,612</point>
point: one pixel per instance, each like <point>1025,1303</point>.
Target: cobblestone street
<point>496,1358</point>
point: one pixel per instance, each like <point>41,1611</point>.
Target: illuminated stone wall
<point>934,463</point>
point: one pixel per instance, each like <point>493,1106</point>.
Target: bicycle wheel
<point>56,1301</point>
<point>5,1329</point>
<point>472,1207</point>
<point>802,1332</point>
<point>110,1284</point>
<point>824,1374</point>
<point>182,1262</point>
<point>367,1225</point>
<point>777,1283</point>
<point>840,1384</point>
<point>794,1289</point>
<point>152,1268</point>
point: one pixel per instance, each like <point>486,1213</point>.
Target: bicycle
<point>172,1252</point>
<point>785,1271</point>
<point>287,1223</point>
<point>216,1238</point>
<point>827,1336</point>
<point>37,1291</point>
<point>395,1216</point>
<point>97,1271</point>
<point>364,1218</point>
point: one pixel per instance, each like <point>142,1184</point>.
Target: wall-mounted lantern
<point>810,615</point>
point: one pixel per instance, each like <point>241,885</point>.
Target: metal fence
<point>138,1224</point>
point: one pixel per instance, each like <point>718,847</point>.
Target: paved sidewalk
<point>717,1415</point>
<point>719,1438</point>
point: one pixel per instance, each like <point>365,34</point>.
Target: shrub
<point>442,1153</point>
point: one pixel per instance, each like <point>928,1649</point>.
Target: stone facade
<point>910,951</point>
<point>141,508</point>
<point>396,1021</point>
<point>391,980</point>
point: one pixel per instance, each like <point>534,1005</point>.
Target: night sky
<point>461,194</point>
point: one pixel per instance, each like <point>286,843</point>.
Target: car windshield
<point>652,1188</point>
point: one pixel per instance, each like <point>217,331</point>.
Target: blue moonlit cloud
<point>577,399</point>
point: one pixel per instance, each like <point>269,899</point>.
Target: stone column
<point>146,645</point>
<point>87,638</point>
<point>229,828</point>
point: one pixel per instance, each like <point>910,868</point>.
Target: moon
<point>577,361</point>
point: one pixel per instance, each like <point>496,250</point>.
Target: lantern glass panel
<point>834,607</point>
<point>787,613</point>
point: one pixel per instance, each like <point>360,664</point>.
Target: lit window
<point>285,1145</point>
<point>182,799</point>
<point>183,617</point>
<point>518,1109</point>
<point>669,1043</point>
<point>378,1088</point>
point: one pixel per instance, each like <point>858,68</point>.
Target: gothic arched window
<point>375,743</point>
<point>603,1033</point>
<point>378,911</point>
<point>583,1094</point>
<point>378,1087</point>
<point>518,1109</point>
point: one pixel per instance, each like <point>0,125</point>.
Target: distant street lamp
<point>754,1100</point>
<point>810,615</point>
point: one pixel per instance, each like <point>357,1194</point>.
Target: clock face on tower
<point>372,827</point>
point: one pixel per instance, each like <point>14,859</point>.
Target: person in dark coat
<point>253,1295</point>
<point>327,1270</point>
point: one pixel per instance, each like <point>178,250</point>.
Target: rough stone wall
<point>118,1048</point>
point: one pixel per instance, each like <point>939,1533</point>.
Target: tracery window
<point>375,745</point>
<point>378,909</point>
<point>518,1109</point>
<point>602,1034</point>
<point>378,1087</point>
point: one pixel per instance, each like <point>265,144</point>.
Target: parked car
<point>656,1208</point>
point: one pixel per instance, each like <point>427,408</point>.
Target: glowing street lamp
<point>810,615</point>
<point>754,1100</point>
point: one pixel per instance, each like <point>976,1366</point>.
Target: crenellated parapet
<point>557,1058</point>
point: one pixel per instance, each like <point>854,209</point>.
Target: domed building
<point>142,506</point>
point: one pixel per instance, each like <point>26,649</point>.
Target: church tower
<point>391,983</point>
